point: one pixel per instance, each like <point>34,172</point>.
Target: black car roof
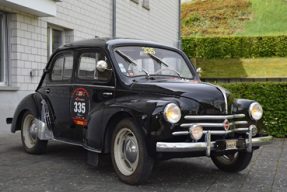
<point>106,42</point>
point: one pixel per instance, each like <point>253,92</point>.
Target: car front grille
<point>215,124</point>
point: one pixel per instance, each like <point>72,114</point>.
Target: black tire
<point>130,158</point>
<point>29,135</point>
<point>233,162</point>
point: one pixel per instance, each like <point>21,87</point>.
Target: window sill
<point>8,88</point>
<point>146,7</point>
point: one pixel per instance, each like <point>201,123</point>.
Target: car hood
<point>210,97</point>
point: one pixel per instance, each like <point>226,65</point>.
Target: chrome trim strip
<point>203,124</point>
<point>80,85</point>
<point>225,98</point>
<point>238,123</point>
<point>213,117</point>
<point>214,132</point>
<point>96,86</point>
<point>202,146</point>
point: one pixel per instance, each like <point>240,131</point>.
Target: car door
<point>58,90</point>
<point>93,86</point>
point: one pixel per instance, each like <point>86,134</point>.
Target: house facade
<point>32,29</point>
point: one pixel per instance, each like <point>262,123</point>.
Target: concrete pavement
<point>64,168</point>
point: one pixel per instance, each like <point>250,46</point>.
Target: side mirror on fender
<point>199,71</point>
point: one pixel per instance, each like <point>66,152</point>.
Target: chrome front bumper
<point>208,145</point>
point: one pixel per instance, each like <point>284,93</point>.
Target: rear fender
<point>27,104</point>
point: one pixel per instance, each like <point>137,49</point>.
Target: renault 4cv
<point>138,101</point>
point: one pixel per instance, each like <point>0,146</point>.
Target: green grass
<point>269,17</point>
<point>260,67</point>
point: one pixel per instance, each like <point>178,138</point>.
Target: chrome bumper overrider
<point>208,145</point>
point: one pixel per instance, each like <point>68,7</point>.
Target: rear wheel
<point>232,162</point>
<point>29,135</point>
<point>130,158</point>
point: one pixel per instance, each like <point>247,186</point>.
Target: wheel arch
<point>113,121</point>
<point>27,104</point>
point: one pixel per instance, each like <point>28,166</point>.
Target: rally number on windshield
<point>148,50</point>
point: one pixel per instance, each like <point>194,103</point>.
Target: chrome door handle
<point>47,90</point>
<point>106,94</point>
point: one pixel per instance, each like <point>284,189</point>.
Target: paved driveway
<point>64,168</point>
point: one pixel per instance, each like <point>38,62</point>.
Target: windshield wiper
<point>158,60</point>
<point>130,60</point>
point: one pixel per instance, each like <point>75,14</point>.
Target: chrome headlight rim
<point>251,107</point>
<point>175,108</point>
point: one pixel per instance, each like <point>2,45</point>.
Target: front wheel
<point>234,162</point>
<point>130,158</point>
<point>29,135</point>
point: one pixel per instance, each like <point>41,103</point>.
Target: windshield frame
<point>184,58</point>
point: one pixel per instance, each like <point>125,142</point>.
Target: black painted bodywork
<point>139,97</point>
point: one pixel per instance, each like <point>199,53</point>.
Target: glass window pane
<point>88,67</point>
<point>155,61</point>
<point>57,39</point>
<point>63,68</point>
<point>68,67</point>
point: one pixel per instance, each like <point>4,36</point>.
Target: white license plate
<point>231,145</point>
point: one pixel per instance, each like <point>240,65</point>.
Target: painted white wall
<point>36,7</point>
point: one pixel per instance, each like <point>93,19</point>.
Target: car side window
<point>62,68</point>
<point>94,65</point>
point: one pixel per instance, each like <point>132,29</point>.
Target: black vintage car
<point>138,101</point>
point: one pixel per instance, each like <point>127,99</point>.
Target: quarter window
<point>91,66</point>
<point>63,67</point>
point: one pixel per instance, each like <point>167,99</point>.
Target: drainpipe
<point>179,23</point>
<point>114,19</point>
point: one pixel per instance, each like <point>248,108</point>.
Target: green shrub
<point>272,97</point>
<point>235,46</point>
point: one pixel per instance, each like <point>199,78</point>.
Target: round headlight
<point>255,111</point>
<point>196,132</point>
<point>172,113</point>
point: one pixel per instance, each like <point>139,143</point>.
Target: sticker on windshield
<point>122,68</point>
<point>149,50</point>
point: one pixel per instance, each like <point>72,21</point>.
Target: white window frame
<point>4,80</point>
<point>50,40</point>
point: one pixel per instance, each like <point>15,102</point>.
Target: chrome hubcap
<point>33,132</point>
<point>130,151</point>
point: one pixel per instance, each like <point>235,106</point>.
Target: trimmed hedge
<point>235,46</point>
<point>272,97</point>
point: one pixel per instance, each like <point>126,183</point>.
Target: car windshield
<point>150,61</point>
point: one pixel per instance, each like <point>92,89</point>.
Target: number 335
<point>79,107</point>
